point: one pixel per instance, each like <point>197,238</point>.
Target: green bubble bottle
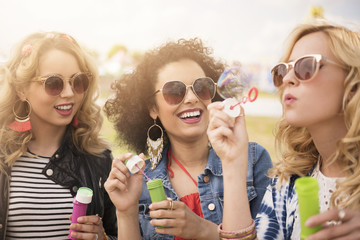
<point>307,189</point>
<point>156,190</point>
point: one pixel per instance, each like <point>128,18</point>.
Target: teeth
<point>64,107</point>
<point>190,114</point>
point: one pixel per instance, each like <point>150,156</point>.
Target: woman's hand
<point>230,141</point>
<point>123,188</point>
<point>88,227</point>
<point>347,224</point>
<point>180,221</point>
<point>227,136</point>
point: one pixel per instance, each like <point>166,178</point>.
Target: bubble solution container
<point>132,162</point>
<point>82,199</point>
<point>307,189</point>
<point>156,190</point>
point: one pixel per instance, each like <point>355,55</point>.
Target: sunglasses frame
<point>318,59</point>
<point>186,89</point>
<point>70,79</point>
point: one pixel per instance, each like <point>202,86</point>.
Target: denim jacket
<point>210,187</point>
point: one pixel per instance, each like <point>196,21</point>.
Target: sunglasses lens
<point>204,88</point>
<point>278,73</point>
<point>174,92</point>
<point>305,68</point>
<point>54,85</point>
<point>81,83</point>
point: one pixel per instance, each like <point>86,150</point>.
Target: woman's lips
<point>289,99</point>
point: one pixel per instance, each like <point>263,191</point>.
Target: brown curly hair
<point>129,109</point>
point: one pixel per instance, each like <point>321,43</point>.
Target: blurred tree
<point>315,13</point>
<point>115,49</point>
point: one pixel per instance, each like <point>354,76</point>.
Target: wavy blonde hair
<point>298,152</point>
<point>16,75</point>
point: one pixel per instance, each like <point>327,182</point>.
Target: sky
<point>249,31</point>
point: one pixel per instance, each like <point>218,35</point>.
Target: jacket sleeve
<point>261,164</point>
<point>275,219</point>
<point>109,218</point>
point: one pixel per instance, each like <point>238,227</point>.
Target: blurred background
<point>118,32</point>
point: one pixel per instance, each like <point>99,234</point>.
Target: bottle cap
<point>132,162</point>
<point>84,195</point>
<point>154,184</point>
<point>307,186</point>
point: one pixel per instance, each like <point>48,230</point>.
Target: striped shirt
<point>38,207</point>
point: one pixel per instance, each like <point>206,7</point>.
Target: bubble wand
<point>134,164</point>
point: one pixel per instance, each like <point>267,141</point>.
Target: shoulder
<point>258,153</point>
<point>283,191</point>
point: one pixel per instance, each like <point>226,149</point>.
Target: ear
<point>352,92</point>
<point>153,112</point>
<point>21,94</point>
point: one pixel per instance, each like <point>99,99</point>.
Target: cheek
<point>79,98</point>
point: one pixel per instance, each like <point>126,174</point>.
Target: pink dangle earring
<point>75,121</point>
<point>21,123</point>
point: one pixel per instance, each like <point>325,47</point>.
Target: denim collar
<point>213,165</point>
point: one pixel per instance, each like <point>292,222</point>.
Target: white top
<point>327,186</point>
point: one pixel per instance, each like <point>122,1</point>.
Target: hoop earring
<point>21,124</point>
<point>156,147</point>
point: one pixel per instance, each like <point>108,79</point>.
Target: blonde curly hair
<point>17,73</point>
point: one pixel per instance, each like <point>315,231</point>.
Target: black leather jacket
<point>72,169</point>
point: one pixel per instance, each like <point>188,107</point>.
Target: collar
<point>213,165</point>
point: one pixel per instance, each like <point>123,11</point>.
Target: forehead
<point>57,61</point>
<point>313,43</point>
<point>184,70</point>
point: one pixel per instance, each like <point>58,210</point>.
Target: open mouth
<point>190,115</point>
<point>64,107</point>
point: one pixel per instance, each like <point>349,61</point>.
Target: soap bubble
<point>233,86</point>
<point>233,83</point>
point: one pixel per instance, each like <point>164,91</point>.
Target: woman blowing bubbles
<point>170,91</point>
<point>318,135</point>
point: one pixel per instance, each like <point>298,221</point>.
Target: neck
<point>326,137</point>
<point>191,155</point>
<point>47,139</point>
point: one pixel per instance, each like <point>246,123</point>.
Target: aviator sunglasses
<point>54,84</point>
<point>305,68</point>
<point>175,91</point>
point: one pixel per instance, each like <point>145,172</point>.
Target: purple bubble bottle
<point>82,199</point>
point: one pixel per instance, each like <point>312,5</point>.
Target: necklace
<point>171,156</point>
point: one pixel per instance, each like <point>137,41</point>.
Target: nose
<point>290,78</point>
<point>68,91</point>
<point>190,96</point>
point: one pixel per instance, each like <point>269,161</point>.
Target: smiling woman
<point>49,142</point>
<point>170,91</point>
